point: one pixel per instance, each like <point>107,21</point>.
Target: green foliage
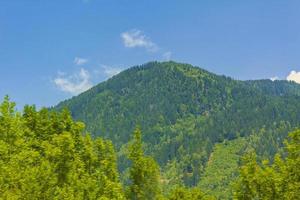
<point>182,193</point>
<point>144,172</point>
<point>268,142</point>
<point>280,180</point>
<point>45,155</point>
<point>222,168</point>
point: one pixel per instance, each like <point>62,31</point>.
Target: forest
<point>193,121</point>
<point>47,155</point>
<point>162,130</point>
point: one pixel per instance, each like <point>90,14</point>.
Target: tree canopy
<point>46,155</point>
<point>279,180</point>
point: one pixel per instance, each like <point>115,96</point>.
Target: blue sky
<point>52,50</point>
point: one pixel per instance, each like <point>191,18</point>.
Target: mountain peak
<point>182,109</point>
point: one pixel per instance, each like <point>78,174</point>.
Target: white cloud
<point>80,61</point>
<point>274,78</point>
<point>135,38</point>
<point>167,55</point>
<point>294,76</point>
<point>74,84</point>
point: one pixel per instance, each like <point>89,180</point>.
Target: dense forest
<point>156,131</point>
<point>47,155</point>
<point>196,125</point>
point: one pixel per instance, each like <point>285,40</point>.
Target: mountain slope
<point>184,111</point>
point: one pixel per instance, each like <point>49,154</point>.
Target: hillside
<point>184,111</point>
<point>47,155</point>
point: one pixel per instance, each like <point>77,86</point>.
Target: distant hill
<point>184,111</point>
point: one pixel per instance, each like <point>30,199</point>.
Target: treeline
<point>47,155</point>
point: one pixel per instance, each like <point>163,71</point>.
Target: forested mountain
<point>187,115</point>
<point>47,155</point>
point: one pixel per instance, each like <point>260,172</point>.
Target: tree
<point>47,155</point>
<point>280,180</point>
<point>183,193</point>
<point>144,172</point>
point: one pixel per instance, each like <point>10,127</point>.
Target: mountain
<point>186,114</point>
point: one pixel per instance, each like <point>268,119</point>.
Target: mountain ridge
<point>258,82</point>
<point>184,111</point>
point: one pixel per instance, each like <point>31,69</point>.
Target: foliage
<point>144,172</point>
<point>182,193</point>
<point>280,180</point>
<point>46,155</point>
<point>222,168</point>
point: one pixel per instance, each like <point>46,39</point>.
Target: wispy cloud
<point>80,61</point>
<point>136,38</point>
<point>294,76</point>
<point>167,55</point>
<point>75,83</point>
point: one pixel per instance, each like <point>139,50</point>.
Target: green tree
<point>183,193</point>
<point>144,172</point>
<point>47,155</point>
<point>280,180</point>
